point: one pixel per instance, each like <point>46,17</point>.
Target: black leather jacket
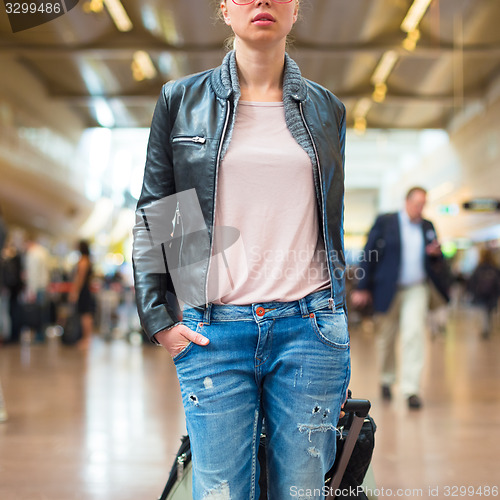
<point>190,132</point>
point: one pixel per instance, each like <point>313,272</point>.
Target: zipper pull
<point>180,466</point>
<point>340,431</point>
<point>199,140</point>
<point>331,303</point>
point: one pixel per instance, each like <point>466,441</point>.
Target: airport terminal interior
<point>420,80</point>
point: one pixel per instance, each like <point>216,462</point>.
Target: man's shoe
<point>414,402</point>
<point>386,392</point>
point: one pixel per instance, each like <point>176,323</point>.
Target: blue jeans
<point>286,362</point>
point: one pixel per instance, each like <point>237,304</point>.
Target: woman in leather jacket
<point>240,223</point>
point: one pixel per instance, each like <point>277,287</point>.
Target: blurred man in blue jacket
<point>400,258</point>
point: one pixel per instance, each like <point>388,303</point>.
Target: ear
<point>225,13</point>
<point>296,12</point>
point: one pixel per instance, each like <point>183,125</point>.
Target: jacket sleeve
<point>370,255</point>
<point>153,287</point>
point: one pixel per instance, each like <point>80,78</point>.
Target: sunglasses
<point>244,2</point>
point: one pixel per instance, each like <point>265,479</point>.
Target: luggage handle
<point>360,409</point>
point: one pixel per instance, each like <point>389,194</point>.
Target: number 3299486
<point>470,491</point>
<point>33,8</point>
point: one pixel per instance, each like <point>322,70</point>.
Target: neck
<point>414,220</point>
<point>260,72</point>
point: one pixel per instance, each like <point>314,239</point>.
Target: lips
<point>263,17</point>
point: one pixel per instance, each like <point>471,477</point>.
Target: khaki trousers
<point>407,314</point>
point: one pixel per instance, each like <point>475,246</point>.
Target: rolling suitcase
<point>72,330</point>
<point>356,434</point>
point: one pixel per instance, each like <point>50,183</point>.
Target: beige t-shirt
<point>267,245</point>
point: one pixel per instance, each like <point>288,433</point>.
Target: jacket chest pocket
<point>190,153</point>
<point>186,140</point>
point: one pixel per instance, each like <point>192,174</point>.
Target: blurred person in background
<point>484,286</point>
<point>13,283</point>
<point>36,280</point>
<point>81,295</point>
<point>3,240</point>
<point>3,236</point>
<point>402,253</point>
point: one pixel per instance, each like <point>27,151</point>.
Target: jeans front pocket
<point>195,327</point>
<point>331,328</point>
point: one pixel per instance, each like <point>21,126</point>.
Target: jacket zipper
<point>330,300</point>
<point>196,139</point>
<point>217,163</point>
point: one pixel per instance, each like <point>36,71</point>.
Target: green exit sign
<point>448,209</point>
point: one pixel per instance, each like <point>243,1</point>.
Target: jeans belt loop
<point>304,310</point>
<point>207,314</point>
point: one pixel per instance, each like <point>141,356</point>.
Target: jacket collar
<point>225,79</point>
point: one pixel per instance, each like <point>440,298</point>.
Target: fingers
<point>342,412</point>
<point>196,338</point>
<point>360,298</point>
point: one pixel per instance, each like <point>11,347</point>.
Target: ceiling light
<point>119,15</point>
<point>362,107</point>
<point>415,14</point>
<point>384,67</point>
<point>94,6</point>
<point>142,66</point>
<point>380,92</point>
<point>410,42</point>
<point>103,113</point>
<point>360,125</point>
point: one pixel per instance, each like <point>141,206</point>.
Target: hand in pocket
<point>175,339</point>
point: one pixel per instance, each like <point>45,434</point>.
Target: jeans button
<point>260,311</point>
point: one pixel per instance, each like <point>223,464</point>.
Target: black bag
<point>11,273</point>
<point>31,315</point>
<point>72,329</point>
<point>485,283</point>
<point>178,486</point>
<point>179,480</point>
<point>361,454</point>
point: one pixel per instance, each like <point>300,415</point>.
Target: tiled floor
<point>105,425</point>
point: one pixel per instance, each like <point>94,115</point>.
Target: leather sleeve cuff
<point>153,337</point>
